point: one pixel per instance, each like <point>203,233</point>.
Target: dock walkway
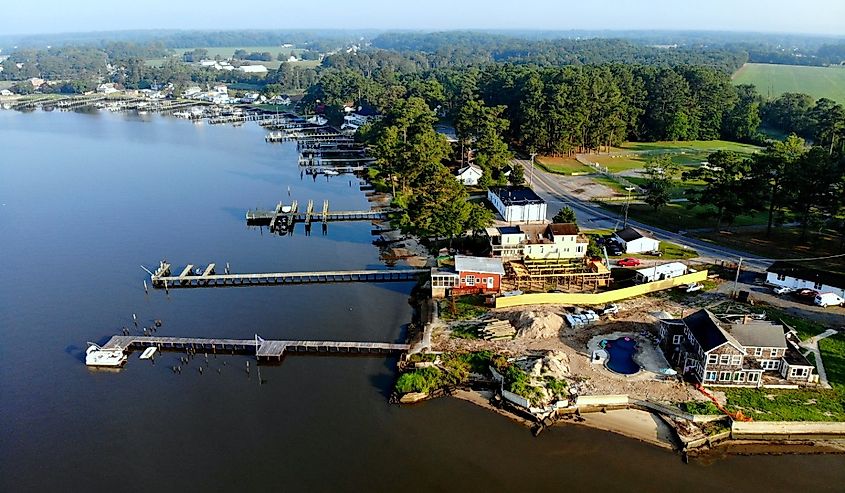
<point>264,350</point>
<point>162,278</point>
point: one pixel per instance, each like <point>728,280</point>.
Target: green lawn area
<point>561,165</point>
<point>833,357</point>
<point>676,217</point>
<point>788,405</point>
<point>772,80</point>
<point>686,154</point>
<point>465,308</point>
<point>806,328</point>
<point>784,243</point>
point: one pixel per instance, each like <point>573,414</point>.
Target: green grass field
<point>678,217</point>
<point>561,165</point>
<point>773,80</point>
<point>635,155</point>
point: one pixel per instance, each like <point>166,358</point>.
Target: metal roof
<point>808,274</point>
<point>485,265</point>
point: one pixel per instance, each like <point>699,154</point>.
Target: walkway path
<point>813,345</point>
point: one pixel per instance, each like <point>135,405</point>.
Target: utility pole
<point>627,203</point>
<point>531,175</point>
<point>736,279</point>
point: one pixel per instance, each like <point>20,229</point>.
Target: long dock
<point>264,350</point>
<point>189,278</point>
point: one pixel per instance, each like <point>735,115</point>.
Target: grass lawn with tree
<point>773,80</point>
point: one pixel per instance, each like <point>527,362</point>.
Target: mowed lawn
<point>561,165</point>
<point>688,154</point>
<point>772,80</point>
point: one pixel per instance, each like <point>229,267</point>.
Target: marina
<point>284,217</point>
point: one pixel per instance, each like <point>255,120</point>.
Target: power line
<point>805,259</point>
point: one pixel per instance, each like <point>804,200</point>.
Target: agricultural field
<point>772,80</point>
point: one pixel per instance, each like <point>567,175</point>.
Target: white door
<point>490,282</point>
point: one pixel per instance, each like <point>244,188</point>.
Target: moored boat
<point>111,357</point>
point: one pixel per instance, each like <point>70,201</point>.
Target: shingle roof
<point>484,265</point>
<point>707,330</point>
<point>758,334</point>
<point>629,234</point>
<point>564,229</point>
<point>808,274</point>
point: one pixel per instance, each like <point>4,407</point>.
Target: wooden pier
<point>283,218</point>
<point>190,278</point>
<point>264,350</point>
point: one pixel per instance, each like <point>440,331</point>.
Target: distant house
<point>253,69</point>
<point>538,241</point>
<point>517,204</point>
<point>107,88</point>
<point>469,175</point>
<point>634,241</point>
<point>661,272</point>
<point>796,276</point>
<point>733,354</point>
<point>471,275</point>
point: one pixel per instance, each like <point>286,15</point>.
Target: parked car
<point>655,253</point>
<point>806,294</point>
<point>610,309</point>
<point>691,288</point>
<point>628,262</point>
<point>825,300</point>
<point>783,290</point>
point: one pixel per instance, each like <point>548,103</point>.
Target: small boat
<point>330,172</point>
<point>149,352</point>
<point>286,209</point>
<point>97,356</point>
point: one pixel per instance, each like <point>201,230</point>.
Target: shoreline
<point>651,428</point>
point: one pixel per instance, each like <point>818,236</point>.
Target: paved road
<point>553,189</point>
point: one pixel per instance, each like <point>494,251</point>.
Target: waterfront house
<point>469,175</point>
<point>790,275</point>
<point>635,241</point>
<point>713,352</point>
<point>538,241</point>
<point>471,275</point>
<point>517,204</point>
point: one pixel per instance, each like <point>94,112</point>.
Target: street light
<point>627,204</point>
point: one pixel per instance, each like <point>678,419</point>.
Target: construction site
<point>545,275</point>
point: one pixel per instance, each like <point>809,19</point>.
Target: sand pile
<point>538,325</point>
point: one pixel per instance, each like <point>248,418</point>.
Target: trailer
<point>660,272</point>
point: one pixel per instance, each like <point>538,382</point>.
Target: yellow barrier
<point>598,298</point>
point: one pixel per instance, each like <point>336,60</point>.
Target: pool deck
<point>648,355</point>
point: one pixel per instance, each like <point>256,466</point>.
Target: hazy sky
<point>48,16</point>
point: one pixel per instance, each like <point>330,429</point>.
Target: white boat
<point>286,209</point>
<point>97,356</point>
<point>330,172</point>
<point>149,352</point>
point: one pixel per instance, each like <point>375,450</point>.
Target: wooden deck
<point>161,278</point>
<point>264,350</point>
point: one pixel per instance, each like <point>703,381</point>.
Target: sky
<point>52,16</point>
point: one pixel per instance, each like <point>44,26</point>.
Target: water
<point>621,355</point>
<point>87,198</point>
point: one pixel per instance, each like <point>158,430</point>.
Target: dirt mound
<point>538,325</point>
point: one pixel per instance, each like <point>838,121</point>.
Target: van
<point>827,299</point>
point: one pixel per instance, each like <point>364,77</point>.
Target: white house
<point>796,276</point>
<point>661,272</point>
<point>517,204</point>
<point>469,175</point>
<point>538,241</point>
<point>253,69</point>
<point>634,241</point>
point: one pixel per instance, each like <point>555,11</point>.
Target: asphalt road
<point>551,188</point>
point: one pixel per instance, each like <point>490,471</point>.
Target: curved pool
<point>621,355</point>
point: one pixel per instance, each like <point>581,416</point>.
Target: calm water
<point>88,198</point>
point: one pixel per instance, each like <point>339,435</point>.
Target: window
<point>773,353</point>
<point>710,376</point>
<point>781,277</point>
<point>758,351</point>
<point>676,339</point>
<point>736,360</point>
<point>725,376</point>
<point>799,372</point>
<point>817,285</point>
<point>712,359</point>
<point>739,376</point>
<point>770,364</point>
<point>753,377</point>
<point>470,280</point>
<point>725,359</point>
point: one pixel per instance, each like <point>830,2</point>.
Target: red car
<point>628,262</point>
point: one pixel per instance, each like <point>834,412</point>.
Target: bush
<point>420,380</point>
<point>700,407</point>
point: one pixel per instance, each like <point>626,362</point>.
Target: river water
<point>89,197</point>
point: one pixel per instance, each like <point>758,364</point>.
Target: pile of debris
<point>538,325</point>
<point>495,330</point>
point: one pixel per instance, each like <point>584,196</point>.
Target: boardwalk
<point>264,350</point>
<point>188,278</point>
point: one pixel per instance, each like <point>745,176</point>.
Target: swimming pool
<point>621,356</point>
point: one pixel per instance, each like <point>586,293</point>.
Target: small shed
<point>635,241</point>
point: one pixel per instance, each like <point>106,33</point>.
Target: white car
<point>691,288</point>
<point>783,290</point>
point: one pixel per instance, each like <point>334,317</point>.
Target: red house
<point>472,275</point>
